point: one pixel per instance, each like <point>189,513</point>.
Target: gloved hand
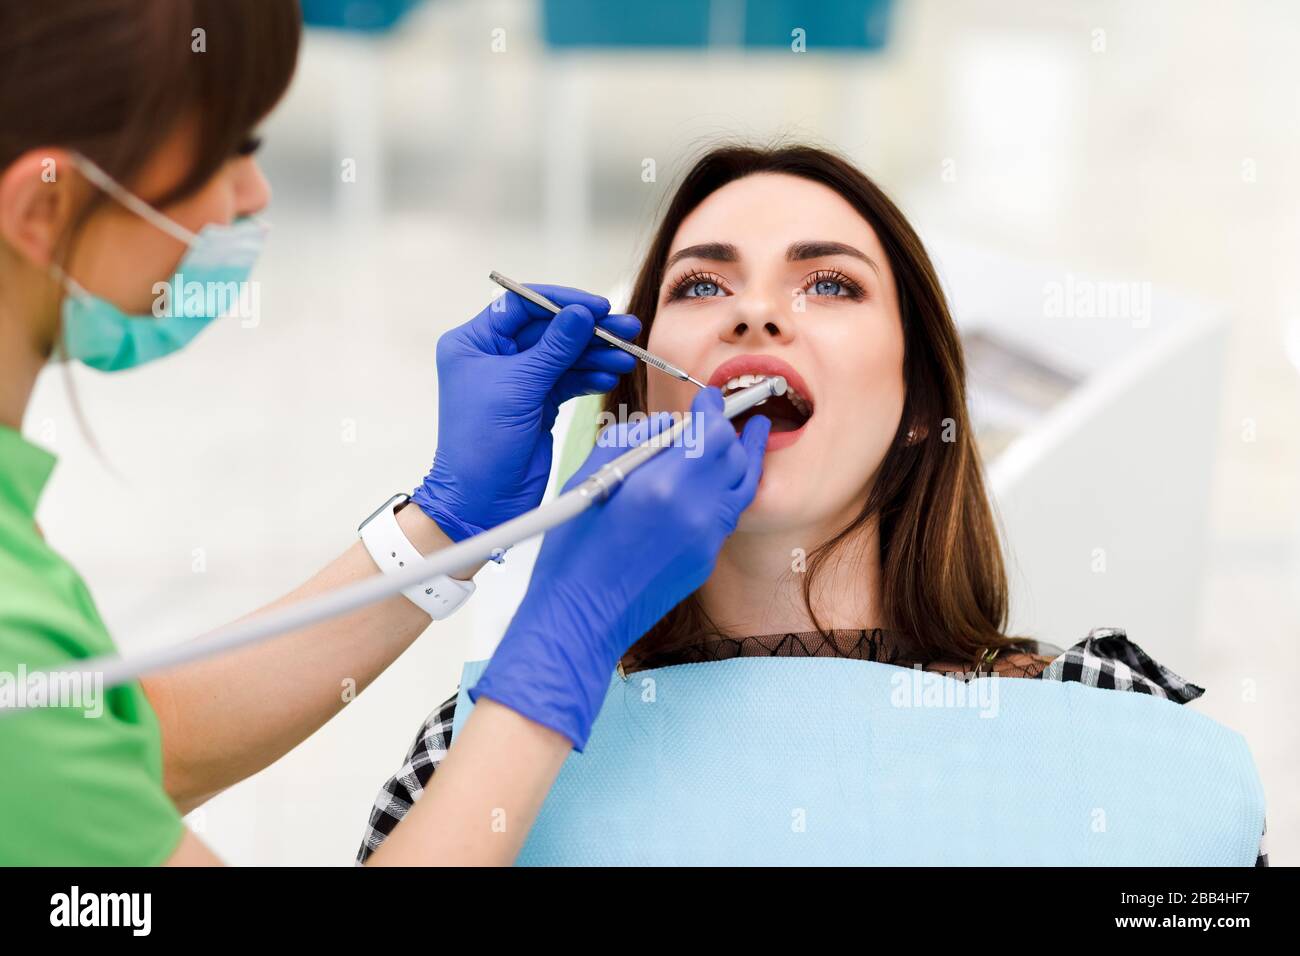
<point>501,379</point>
<point>603,579</point>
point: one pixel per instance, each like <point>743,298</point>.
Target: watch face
<point>403,501</point>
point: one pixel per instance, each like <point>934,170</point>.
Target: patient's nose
<point>757,318</point>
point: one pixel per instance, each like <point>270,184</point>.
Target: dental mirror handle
<point>648,357</point>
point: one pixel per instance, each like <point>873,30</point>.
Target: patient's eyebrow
<point>714,251</point>
<point>816,248</point>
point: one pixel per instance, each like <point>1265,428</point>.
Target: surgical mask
<point>210,280</point>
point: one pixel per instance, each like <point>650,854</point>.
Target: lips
<point>789,414</point>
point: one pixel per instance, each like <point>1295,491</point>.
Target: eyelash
<point>678,289</point>
<point>249,146</point>
<point>852,289</point>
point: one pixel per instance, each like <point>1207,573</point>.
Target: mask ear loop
<point>131,201</point>
<point>102,180</point>
<point>70,285</point>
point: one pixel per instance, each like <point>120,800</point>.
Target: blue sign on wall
<point>829,25</point>
<point>369,16</point>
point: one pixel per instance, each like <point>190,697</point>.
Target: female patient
<point>871,536</point>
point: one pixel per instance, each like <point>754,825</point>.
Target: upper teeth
<point>745,381</point>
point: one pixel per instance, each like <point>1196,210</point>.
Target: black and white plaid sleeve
<point>399,794</point>
<point>1106,658</point>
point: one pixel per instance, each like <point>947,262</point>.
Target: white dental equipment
<point>114,670</point>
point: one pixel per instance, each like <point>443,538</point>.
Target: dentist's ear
<point>39,194</point>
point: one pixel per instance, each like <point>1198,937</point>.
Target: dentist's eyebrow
<point>713,251</point>
<point>817,248</point>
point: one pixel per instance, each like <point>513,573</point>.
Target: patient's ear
<point>915,435</point>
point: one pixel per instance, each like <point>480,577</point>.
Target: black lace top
<point>885,646</point>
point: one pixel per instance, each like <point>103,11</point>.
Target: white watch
<point>392,550</point>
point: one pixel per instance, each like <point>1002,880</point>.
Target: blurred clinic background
<point>1108,188</point>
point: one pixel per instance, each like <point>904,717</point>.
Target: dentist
<point>126,159</point>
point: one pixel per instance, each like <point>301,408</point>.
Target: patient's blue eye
<point>833,284</point>
<point>702,289</point>
<point>697,285</point>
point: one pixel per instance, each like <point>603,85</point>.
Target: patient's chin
<point>790,500</point>
<point>776,507</point>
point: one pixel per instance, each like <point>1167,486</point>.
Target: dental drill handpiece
<point>111,670</point>
<point>606,479</point>
<point>631,349</point>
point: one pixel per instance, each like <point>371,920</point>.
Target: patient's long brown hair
<point>943,582</point>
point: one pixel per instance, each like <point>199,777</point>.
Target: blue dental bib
<point>829,761</point>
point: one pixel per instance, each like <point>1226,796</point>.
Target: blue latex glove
<point>501,379</point>
<point>605,578</point>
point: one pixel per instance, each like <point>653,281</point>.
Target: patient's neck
<point>757,587</point>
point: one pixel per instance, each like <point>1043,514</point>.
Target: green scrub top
<point>74,789</point>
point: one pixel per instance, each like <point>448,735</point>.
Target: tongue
<point>782,414</point>
<point>781,423</point>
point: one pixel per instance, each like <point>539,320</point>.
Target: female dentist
<point>126,157</point>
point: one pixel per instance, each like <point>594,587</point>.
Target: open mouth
<point>789,413</point>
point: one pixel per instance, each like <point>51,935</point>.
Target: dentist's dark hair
<point>942,576</point>
<point>111,79</point>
